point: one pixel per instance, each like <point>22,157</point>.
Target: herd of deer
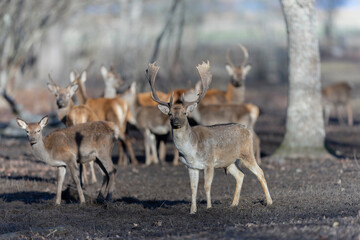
<point>224,135</point>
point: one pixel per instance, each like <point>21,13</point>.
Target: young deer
<point>208,147</point>
<point>66,148</point>
<point>235,92</point>
<point>72,115</point>
<point>108,109</point>
<point>337,96</point>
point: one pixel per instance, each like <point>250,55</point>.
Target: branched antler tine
<point>52,80</point>
<point>228,59</point>
<point>151,73</point>
<point>206,76</point>
<point>246,54</point>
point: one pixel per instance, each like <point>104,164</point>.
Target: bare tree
<point>305,132</point>
<point>23,24</point>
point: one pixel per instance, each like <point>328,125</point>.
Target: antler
<point>246,56</point>
<point>151,73</point>
<point>51,79</point>
<point>206,76</point>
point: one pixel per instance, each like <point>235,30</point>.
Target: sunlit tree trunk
<point>305,132</point>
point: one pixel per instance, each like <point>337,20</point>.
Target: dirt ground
<point>313,199</point>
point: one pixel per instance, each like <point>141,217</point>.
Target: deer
<point>64,148</point>
<point>235,92</point>
<point>71,115</point>
<point>337,96</point>
<point>141,107</point>
<point>208,147</point>
<point>246,114</point>
<point>150,122</point>
<point>111,109</point>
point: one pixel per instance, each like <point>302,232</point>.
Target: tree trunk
<point>305,132</point>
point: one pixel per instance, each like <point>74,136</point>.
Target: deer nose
<point>176,122</point>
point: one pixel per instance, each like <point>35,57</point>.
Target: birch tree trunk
<point>305,133</point>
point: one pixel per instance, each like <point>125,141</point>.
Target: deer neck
<point>235,94</point>
<point>184,138</point>
<point>40,151</point>
<point>110,91</point>
<point>63,112</point>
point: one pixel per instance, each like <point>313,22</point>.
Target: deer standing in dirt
<point>111,109</point>
<point>208,147</point>
<point>65,148</point>
<point>147,119</point>
<point>235,92</point>
<point>72,115</point>
<point>150,122</point>
<point>337,96</point>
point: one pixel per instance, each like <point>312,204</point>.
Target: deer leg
<point>208,175</point>
<point>75,177</point>
<point>254,168</point>
<point>130,150</point>
<point>83,174</point>
<point>339,115</point>
<point>147,147</point>
<point>153,148</point>
<point>256,143</point>
<point>176,157</point>
<point>162,151</point>
<point>61,177</point>
<point>194,181</point>
<point>349,113</point>
<point>92,171</point>
<point>239,177</point>
<point>121,153</point>
<point>106,165</point>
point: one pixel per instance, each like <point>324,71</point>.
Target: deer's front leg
<point>208,175</point>
<point>194,181</point>
<point>61,177</point>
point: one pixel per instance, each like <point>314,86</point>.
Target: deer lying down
<point>81,143</point>
<point>208,147</point>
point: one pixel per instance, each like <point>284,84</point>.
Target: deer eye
<point>38,131</point>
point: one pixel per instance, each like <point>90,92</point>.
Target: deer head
<point>33,130</point>
<point>178,112</point>
<point>111,78</point>
<point>63,95</point>
<point>238,74</point>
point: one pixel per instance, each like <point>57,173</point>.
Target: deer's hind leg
<point>76,177</point>
<point>250,163</point>
<point>239,177</point>
<point>105,163</point>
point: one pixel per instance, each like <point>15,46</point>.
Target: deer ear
<point>44,121</point>
<point>83,77</point>
<point>229,69</point>
<point>246,69</point>
<point>73,89</point>
<point>21,123</point>
<point>72,76</point>
<point>104,71</point>
<point>164,109</point>
<point>52,88</point>
<point>191,108</point>
<point>133,87</point>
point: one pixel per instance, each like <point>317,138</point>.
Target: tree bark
<point>305,133</point>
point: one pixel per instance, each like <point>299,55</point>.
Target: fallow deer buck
<point>65,148</point>
<point>245,114</point>
<point>108,109</point>
<point>337,96</point>
<point>72,115</point>
<point>235,92</point>
<point>208,147</point>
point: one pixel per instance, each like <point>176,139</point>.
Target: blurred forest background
<point>41,37</point>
